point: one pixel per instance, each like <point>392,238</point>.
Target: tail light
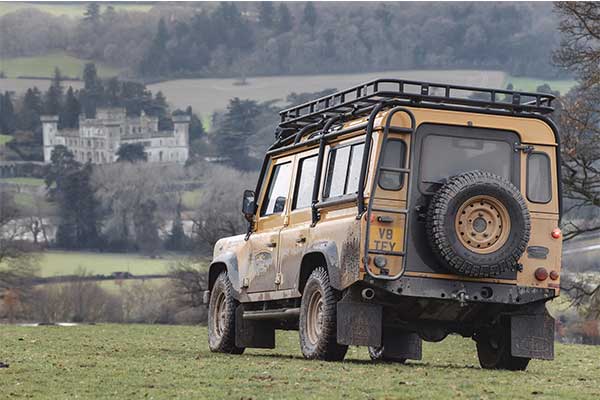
<point>556,233</point>
<point>541,274</point>
<point>554,275</point>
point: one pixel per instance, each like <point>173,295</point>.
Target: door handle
<point>301,239</point>
<point>272,245</point>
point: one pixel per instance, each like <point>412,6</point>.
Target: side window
<point>277,190</point>
<point>394,155</point>
<point>539,184</point>
<point>305,182</point>
<point>343,170</point>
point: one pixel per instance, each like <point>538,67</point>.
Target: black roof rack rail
<point>370,93</point>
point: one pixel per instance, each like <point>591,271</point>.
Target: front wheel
<point>221,317</point>
<point>318,319</point>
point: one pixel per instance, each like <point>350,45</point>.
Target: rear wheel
<point>318,319</point>
<point>377,354</point>
<point>493,350</point>
<point>221,317</point>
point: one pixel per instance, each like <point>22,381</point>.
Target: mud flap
<point>252,333</point>
<point>359,324</point>
<point>532,336</point>
<point>399,344</point>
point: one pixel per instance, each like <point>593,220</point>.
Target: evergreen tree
<point>237,127</point>
<point>92,13</point>
<point>146,227</point>
<point>54,95</point>
<point>69,185</point>
<point>156,60</point>
<point>196,127</point>
<point>8,120</point>
<point>310,15</point>
<point>71,110</point>
<point>92,94</point>
<point>177,240</point>
<point>28,118</point>
<point>131,152</point>
<point>284,22</point>
<point>266,14</point>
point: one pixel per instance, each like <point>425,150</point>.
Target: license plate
<point>385,238</point>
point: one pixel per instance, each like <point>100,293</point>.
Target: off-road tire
<point>376,354</point>
<point>221,334</point>
<point>493,350</point>
<point>324,345</point>
<point>443,235</point>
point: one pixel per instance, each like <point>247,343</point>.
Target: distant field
<point>5,139</point>
<point>209,95</point>
<point>43,66</point>
<point>161,361</point>
<point>54,263</point>
<point>531,84</point>
<point>24,181</point>
<point>71,9</point>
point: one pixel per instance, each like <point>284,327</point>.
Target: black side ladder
<point>406,171</point>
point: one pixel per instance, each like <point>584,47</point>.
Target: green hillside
<point>43,66</point>
<point>159,362</point>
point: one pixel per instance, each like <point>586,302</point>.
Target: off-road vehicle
<point>395,212</point>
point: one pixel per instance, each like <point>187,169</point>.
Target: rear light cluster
<point>541,274</point>
<point>556,233</point>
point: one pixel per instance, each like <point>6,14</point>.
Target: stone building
<point>98,139</point>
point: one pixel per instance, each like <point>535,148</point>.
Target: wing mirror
<point>249,204</point>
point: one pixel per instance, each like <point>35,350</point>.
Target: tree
<point>69,185</point>
<point>28,117</point>
<point>580,50</point>
<point>177,239</point>
<point>579,122</point>
<point>310,15</point>
<point>266,14</point>
<point>235,130</point>
<point>8,121</point>
<point>54,95</point>
<point>221,197</point>
<point>196,127</point>
<point>92,13</point>
<point>156,59</point>
<point>92,94</point>
<point>131,152</point>
<point>284,20</point>
<point>71,110</point>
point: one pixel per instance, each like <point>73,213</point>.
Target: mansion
<point>98,139</point>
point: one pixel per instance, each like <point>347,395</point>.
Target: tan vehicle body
<point>269,266</point>
<point>338,223</point>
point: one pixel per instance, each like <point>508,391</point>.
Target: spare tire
<point>478,224</point>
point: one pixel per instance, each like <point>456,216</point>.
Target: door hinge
<point>278,279</point>
<point>245,282</point>
<point>525,148</point>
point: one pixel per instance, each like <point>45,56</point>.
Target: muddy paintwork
<point>261,273</point>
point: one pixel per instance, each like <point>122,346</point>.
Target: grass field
<point>5,139</point>
<point>158,362</point>
<point>71,9</point>
<point>54,263</point>
<point>531,84</point>
<point>43,66</point>
<point>24,181</point>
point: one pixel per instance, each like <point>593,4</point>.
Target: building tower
<point>49,133</point>
<point>181,132</point>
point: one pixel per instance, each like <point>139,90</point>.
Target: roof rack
<point>367,94</point>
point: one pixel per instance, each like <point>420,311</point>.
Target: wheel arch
<point>226,262</point>
<point>322,254</point>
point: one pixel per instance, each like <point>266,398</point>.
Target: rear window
<point>446,156</point>
<point>539,188</point>
<point>343,170</point>
<point>393,157</point>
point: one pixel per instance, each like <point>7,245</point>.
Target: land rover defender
<point>394,212</point>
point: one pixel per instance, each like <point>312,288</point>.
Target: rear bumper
<point>464,291</point>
